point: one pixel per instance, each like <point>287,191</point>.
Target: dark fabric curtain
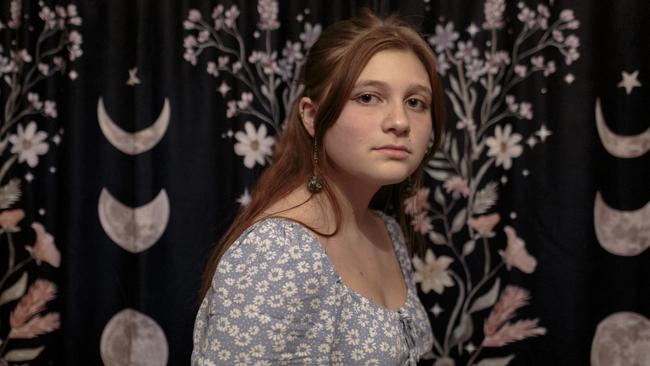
<point>132,131</point>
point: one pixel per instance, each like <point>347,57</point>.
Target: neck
<point>353,198</point>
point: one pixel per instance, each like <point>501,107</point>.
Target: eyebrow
<point>384,86</point>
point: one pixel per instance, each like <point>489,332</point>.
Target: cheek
<point>338,135</point>
<point>349,131</point>
<point>341,142</point>
<point>422,135</point>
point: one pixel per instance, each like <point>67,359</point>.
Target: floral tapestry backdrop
<point>131,133</point>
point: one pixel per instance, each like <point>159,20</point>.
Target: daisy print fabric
<point>276,299</point>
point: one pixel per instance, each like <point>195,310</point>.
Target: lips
<point>398,152</point>
<point>395,148</point>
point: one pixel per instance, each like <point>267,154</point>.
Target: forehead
<point>397,68</point>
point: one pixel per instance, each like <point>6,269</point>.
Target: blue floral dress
<point>276,299</point>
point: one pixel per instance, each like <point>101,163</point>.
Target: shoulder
<point>259,236</point>
<point>268,285</point>
<point>270,251</point>
<point>274,236</point>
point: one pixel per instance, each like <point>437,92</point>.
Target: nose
<point>397,120</point>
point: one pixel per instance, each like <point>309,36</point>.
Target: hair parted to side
<point>331,69</point>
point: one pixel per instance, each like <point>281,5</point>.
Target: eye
<point>367,98</point>
<point>416,104</point>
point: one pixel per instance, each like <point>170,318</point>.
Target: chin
<point>398,173</point>
<point>389,179</point>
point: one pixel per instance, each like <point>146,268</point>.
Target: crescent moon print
<point>134,229</point>
<point>133,143</point>
<point>621,146</point>
<point>625,233</point>
<point>622,339</point>
<point>132,338</point>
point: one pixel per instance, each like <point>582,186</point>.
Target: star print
<point>29,177</point>
<point>52,169</point>
<point>531,142</point>
<point>525,172</point>
<point>56,139</point>
<point>543,133</point>
<point>470,348</point>
<point>41,211</point>
<point>569,78</point>
<point>513,215</point>
<point>245,198</point>
<point>133,78</point>
<point>504,180</point>
<point>436,310</point>
<point>223,88</point>
<point>472,29</point>
<point>629,81</point>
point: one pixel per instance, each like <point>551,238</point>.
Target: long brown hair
<point>331,69</point>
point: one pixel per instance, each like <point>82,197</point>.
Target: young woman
<point>309,274</point>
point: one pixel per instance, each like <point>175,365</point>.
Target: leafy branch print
<point>268,75</point>
<point>24,63</point>
<point>460,220</point>
<point>260,71</point>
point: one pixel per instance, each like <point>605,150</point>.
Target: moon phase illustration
<point>624,233</point>
<point>134,229</point>
<point>137,142</point>
<point>622,339</point>
<point>621,146</point>
<point>131,338</point>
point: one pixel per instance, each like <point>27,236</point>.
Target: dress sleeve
<point>264,303</point>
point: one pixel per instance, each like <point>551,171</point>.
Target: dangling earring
<point>315,184</point>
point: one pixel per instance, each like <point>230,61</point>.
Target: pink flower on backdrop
<point>44,249</point>
<point>516,254</point>
<point>512,332</point>
<point>511,299</point>
<point>24,321</point>
<point>421,223</point>
<point>36,326</point>
<point>498,332</point>
<point>457,186</point>
<point>418,202</point>
<point>9,219</point>
<point>484,224</point>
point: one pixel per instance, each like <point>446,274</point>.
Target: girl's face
<point>385,127</point>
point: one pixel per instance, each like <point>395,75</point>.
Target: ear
<point>307,109</point>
